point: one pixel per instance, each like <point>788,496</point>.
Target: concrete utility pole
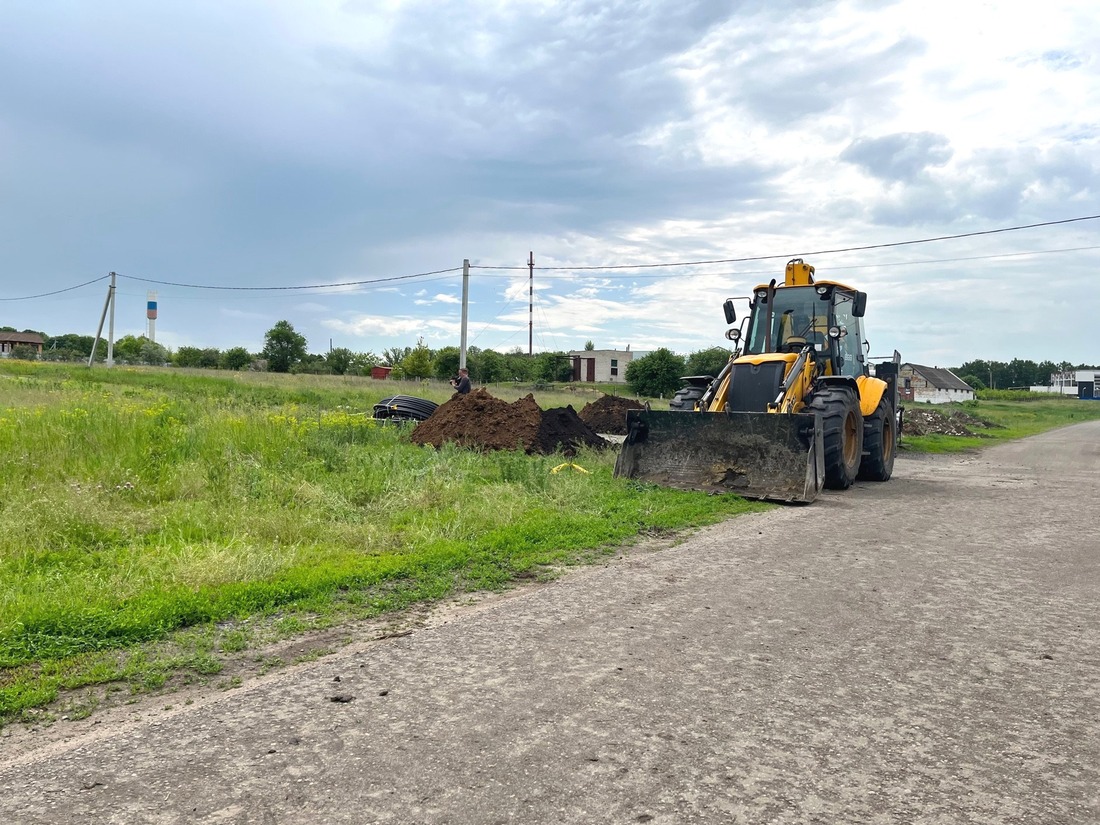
<point>108,305</point>
<point>531,303</point>
<point>465,311</point>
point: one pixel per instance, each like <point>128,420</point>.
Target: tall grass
<point>138,502</point>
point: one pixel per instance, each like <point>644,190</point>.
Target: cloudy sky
<point>291,143</point>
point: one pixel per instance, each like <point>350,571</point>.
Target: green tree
<point>656,374</point>
<point>71,347</point>
<point>520,366</point>
<point>445,364</point>
<point>550,367</point>
<point>361,363</point>
<point>393,356</point>
<point>707,361</point>
<point>974,381</point>
<point>283,347</point>
<point>235,358</point>
<point>211,358</point>
<point>24,352</point>
<point>311,364</point>
<point>128,349</point>
<point>490,366</point>
<point>340,360</point>
<point>992,373</point>
<point>154,354</point>
<point>1023,373</point>
<point>1044,370</point>
<point>187,357</point>
<point>589,346</point>
<point>418,363</point>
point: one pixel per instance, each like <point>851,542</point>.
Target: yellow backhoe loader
<point>796,407</point>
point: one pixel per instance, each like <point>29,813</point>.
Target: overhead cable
<point>750,258</point>
<point>746,259</point>
<point>920,262</point>
<point>57,291</point>
<point>288,288</point>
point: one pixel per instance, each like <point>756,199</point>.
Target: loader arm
<point>797,384</point>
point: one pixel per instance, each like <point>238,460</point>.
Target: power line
<point>288,288</point>
<point>878,265</point>
<point>746,259</point>
<point>807,254</point>
<point>57,291</point>
<point>271,296</point>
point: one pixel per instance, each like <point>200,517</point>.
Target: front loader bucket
<point>770,456</point>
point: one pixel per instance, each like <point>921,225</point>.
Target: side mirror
<point>727,308</point>
<point>859,305</point>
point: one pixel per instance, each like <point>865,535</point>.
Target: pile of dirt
<point>924,421</point>
<point>968,420</point>
<point>480,421</point>
<point>608,414</point>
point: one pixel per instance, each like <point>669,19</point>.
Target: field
<point>1012,419</point>
<point>154,523</point>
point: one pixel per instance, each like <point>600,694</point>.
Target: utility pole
<point>465,311</point>
<point>531,303</point>
<point>109,304</point>
<point>111,326</point>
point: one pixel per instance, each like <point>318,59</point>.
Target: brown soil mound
<point>607,414</point>
<point>917,421</point>
<point>480,421</point>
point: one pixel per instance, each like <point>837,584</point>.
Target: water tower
<point>151,317</point>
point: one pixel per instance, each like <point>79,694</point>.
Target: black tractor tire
<point>879,443</point>
<point>685,398</point>
<point>842,432</point>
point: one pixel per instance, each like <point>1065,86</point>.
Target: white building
<point>607,366</point>
<point>1078,383</point>
<point>936,385</point>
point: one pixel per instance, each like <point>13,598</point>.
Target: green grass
<point>1017,419</point>
<point>143,511</point>
<point>155,522</point>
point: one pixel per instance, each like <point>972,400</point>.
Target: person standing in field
<point>462,382</point>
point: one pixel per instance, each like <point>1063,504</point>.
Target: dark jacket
<point>462,385</point>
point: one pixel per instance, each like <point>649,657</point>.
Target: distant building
<point>935,385</point>
<point>9,340</point>
<point>1078,383</point>
<point>607,366</point>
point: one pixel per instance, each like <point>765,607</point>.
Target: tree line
<point>654,375</point>
<point>1015,374</point>
<point>286,350</point>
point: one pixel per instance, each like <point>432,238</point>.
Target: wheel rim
<point>851,433</point>
<point>887,440</point>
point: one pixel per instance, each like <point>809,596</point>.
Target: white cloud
<point>370,140</point>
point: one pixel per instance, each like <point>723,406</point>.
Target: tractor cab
<point>827,316</point>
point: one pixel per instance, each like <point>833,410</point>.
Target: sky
<point>227,153</point>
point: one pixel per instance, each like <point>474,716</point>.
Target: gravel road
<point>920,651</point>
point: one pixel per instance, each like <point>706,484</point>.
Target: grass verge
<point>147,517</point>
<point>1013,419</point>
